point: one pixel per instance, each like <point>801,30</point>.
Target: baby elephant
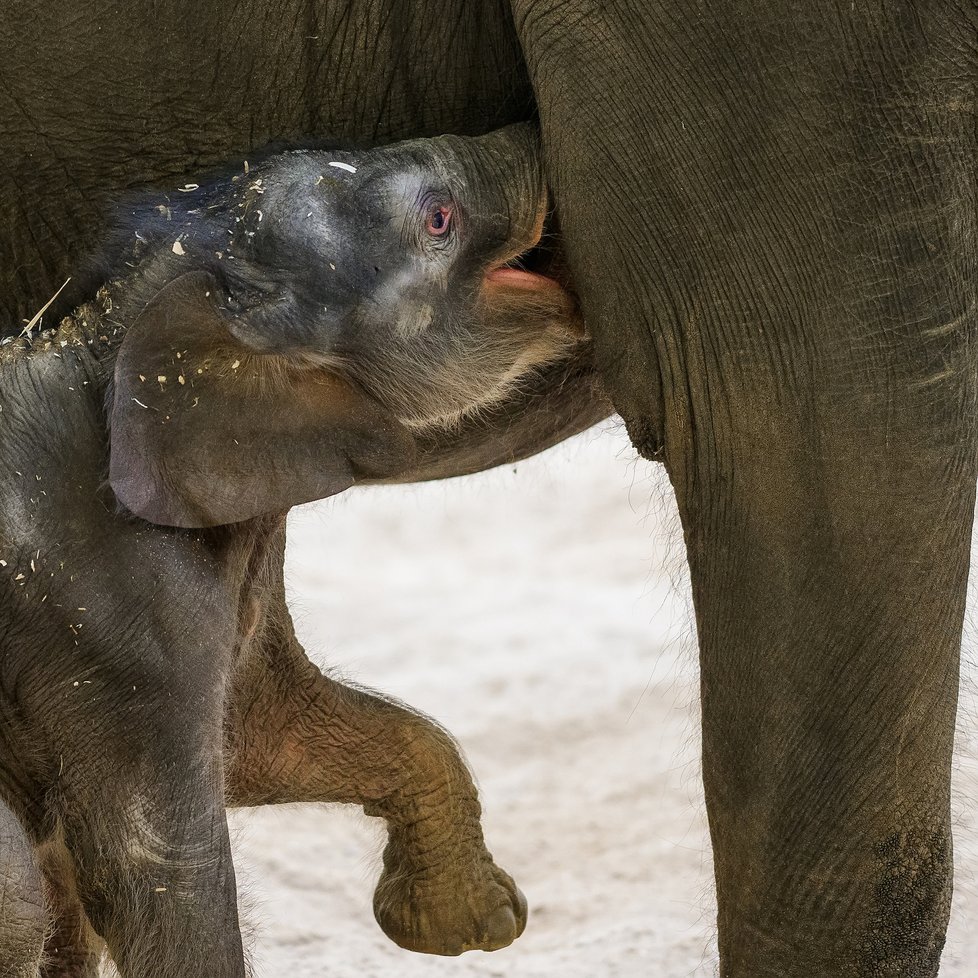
<point>386,268</point>
<point>326,319</point>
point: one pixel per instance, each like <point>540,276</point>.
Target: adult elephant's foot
<point>447,905</point>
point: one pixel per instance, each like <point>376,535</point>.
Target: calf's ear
<point>206,432</point>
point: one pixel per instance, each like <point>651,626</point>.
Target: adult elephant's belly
<point>117,97</point>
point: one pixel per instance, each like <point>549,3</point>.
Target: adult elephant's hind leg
<point>23,918</point>
<point>296,735</point>
<point>770,215</point>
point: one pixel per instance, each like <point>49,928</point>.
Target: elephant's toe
<point>507,923</point>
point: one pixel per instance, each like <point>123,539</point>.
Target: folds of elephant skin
<point>557,402</point>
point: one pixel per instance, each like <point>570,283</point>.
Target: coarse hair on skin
<point>443,374</point>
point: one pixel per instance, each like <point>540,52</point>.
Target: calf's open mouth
<point>542,266</point>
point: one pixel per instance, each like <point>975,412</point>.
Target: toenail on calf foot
<point>522,911</point>
<point>502,928</point>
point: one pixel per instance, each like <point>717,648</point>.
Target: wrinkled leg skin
<point>136,856</point>
<point>23,918</point>
<point>295,735</point>
<point>72,948</point>
<point>155,877</point>
<point>770,216</point>
<point>151,856</point>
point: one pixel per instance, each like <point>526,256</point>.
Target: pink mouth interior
<point>520,279</point>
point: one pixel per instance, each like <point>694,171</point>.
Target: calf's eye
<point>439,221</point>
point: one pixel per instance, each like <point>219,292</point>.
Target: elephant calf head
<point>290,329</point>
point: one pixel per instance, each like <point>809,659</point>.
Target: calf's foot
<point>459,902</point>
<point>440,891</point>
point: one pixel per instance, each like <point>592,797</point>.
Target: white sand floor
<point>543,616</point>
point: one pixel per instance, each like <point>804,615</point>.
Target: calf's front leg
<point>139,797</point>
<point>155,874</point>
<point>71,948</point>
<point>296,735</point>
<point>23,919</point>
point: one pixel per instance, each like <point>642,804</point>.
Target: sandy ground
<point>542,614</point>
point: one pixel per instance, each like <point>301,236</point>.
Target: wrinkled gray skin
<point>150,675</point>
<point>769,214</point>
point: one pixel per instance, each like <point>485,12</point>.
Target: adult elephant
<point>769,212</point>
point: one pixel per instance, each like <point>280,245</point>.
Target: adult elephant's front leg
<point>770,216</point>
<point>295,735</point>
